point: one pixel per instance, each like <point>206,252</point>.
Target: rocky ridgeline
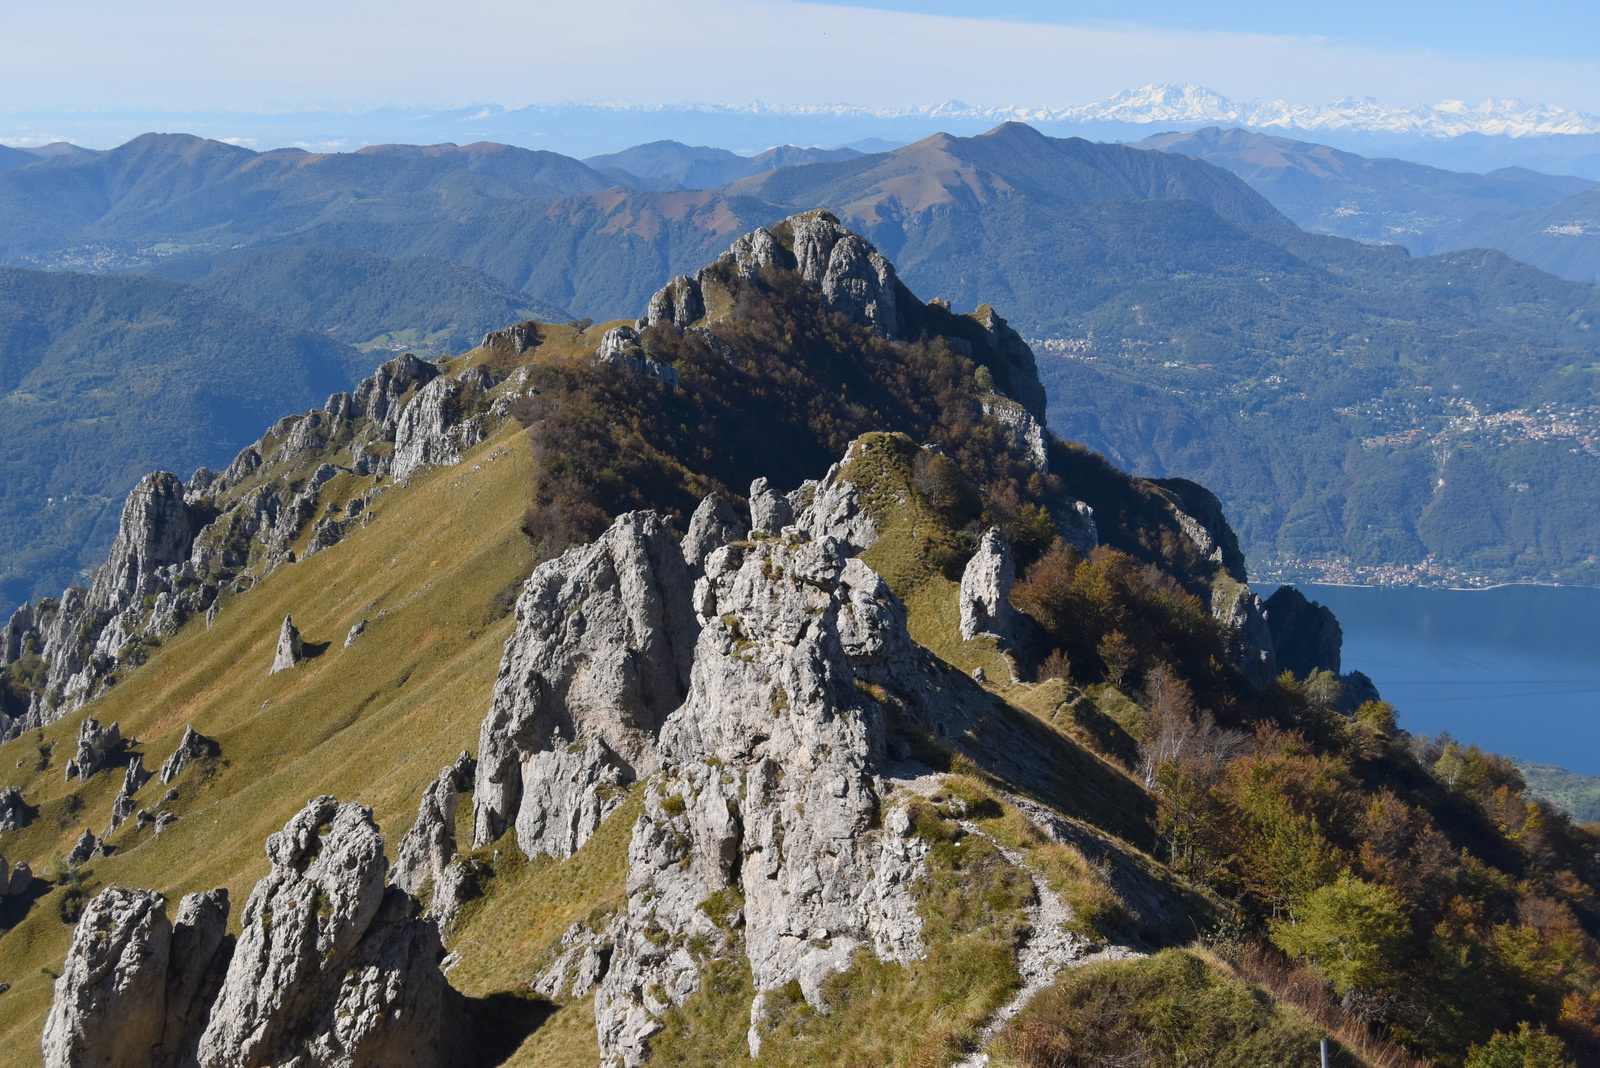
<point>182,546</point>
<point>746,680</point>
<point>330,968</point>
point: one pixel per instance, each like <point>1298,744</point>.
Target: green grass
<point>1173,1009</point>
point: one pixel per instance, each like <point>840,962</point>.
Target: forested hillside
<point>1356,407</point>
<point>103,377</point>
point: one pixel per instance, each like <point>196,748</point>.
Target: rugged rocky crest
<point>330,968</point>
<point>183,548</point>
<point>600,657</point>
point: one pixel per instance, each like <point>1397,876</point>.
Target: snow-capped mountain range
<point>1194,105</point>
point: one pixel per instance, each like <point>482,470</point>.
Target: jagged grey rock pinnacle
<point>770,511</point>
<point>15,813</point>
<point>600,656</point>
<point>111,999</point>
<point>713,525</point>
<point>192,746</point>
<point>95,745</point>
<point>330,968</point>
<point>767,783</point>
<point>986,590</point>
<point>431,843</point>
<point>289,651</point>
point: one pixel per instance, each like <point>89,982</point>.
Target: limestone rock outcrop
<point>15,880</point>
<point>438,426</point>
<point>1200,516</point>
<point>15,813</point>
<point>767,784</point>
<point>133,780</point>
<point>290,650</point>
<point>330,968</point>
<point>1305,635</point>
<point>856,280</point>
<point>986,590</point>
<point>111,999</point>
<point>85,849</point>
<point>770,511</point>
<point>713,525</point>
<point>1026,433</point>
<point>1250,646</point>
<point>96,745</point>
<point>192,747</point>
<point>679,303</point>
<point>831,507</point>
<point>599,658</point>
<point>182,546</point>
<point>430,844</point>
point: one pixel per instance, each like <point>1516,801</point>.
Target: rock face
<point>1241,611</point>
<point>191,747</point>
<point>431,843</point>
<point>855,279</point>
<point>768,785</point>
<point>290,651</point>
<point>986,590</point>
<point>111,1000</point>
<point>713,525</point>
<point>679,303</point>
<point>330,968</point>
<point>1305,635</point>
<point>135,987</point>
<point>15,813</point>
<point>831,507</point>
<point>1025,432</point>
<point>1201,518</point>
<point>600,656</point>
<point>770,511</point>
<point>437,427</point>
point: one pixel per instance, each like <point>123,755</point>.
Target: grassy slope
<point>372,723</point>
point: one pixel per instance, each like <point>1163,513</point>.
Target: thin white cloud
<point>292,53</point>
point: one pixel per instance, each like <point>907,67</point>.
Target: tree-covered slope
<point>103,377</point>
<point>165,193</point>
<point>420,303</point>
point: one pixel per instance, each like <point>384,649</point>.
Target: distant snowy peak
<point>1193,103</point>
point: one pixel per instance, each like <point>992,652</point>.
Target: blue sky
<point>156,64</point>
<point>1565,30</point>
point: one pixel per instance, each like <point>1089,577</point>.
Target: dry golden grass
<point>372,723</point>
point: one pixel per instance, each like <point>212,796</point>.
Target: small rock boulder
<point>986,590</point>
<point>15,813</point>
<point>192,746</point>
<point>290,652</point>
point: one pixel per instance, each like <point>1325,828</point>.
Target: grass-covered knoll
<point>1171,1009</point>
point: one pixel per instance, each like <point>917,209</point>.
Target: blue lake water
<point>1514,669</point>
